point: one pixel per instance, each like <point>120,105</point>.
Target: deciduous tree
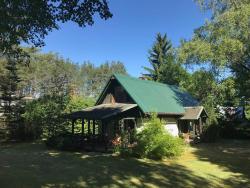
<point>30,21</point>
<point>223,41</point>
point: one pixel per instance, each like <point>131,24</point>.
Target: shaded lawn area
<point>223,164</point>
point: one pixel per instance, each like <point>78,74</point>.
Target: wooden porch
<point>99,124</point>
<point>192,123</point>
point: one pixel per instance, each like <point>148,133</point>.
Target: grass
<point>224,164</point>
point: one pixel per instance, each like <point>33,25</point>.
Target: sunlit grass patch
<point>224,164</point>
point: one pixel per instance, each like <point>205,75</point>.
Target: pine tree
<point>9,96</point>
<point>160,54</point>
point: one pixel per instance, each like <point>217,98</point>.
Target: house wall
<point>116,94</point>
<point>170,120</point>
<point>171,125</point>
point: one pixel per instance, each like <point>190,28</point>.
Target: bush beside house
<point>154,142</point>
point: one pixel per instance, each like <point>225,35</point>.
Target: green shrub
<point>247,111</point>
<point>76,103</point>
<point>44,117</point>
<point>66,142</point>
<point>126,152</point>
<point>166,146</point>
<point>155,143</point>
<point>235,129</point>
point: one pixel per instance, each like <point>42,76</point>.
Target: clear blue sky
<point>127,36</point>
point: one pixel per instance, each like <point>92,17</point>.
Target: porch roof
<point>101,111</point>
<point>193,113</point>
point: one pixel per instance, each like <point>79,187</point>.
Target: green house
<point>126,101</point>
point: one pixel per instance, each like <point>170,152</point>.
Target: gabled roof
<point>152,96</point>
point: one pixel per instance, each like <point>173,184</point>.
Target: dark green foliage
<point>211,132</point>
<point>155,143</point>
<point>65,141</point>
<point>45,116</point>
<point>223,42</point>
<point>199,83</point>
<point>173,73</point>
<point>165,67</point>
<point>160,53</point>
<point>10,97</point>
<point>128,139</point>
<point>235,129</point>
<point>247,111</point>
<point>78,103</point>
<point>205,87</point>
<point>242,78</point>
<point>125,151</point>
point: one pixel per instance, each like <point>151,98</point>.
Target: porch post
<point>93,127</point>
<point>104,134</point>
<point>88,126</point>
<point>102,124</point>
<point>195,127</point>
<point>200,125</point>
<point>73,126</point>
<point>82,126</point>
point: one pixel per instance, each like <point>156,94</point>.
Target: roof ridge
<point>194,106</point>
<point>145,81</point>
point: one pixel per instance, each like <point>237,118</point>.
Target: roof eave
<point>104,90</point>
<point>165,113</point>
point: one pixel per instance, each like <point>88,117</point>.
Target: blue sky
<point>127,36</point>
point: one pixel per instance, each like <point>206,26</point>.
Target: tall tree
<point>47,74</point>
<point>173,73</point>
<point>165,67</point>
<point>10,98</point>
<point>220,6</point>
<point>224,41</point>
<point>160,54</point>
<point>30,21</point>
<point>95,78</point>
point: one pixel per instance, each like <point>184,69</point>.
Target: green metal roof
<point>156,97</point>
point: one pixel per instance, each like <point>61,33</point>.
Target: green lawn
<point>224,164</point>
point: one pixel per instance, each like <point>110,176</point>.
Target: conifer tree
<point>10,97</point>
<point>160,53</point>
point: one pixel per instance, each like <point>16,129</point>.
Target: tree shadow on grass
<point>31,165</point>
<point>230,155</point>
